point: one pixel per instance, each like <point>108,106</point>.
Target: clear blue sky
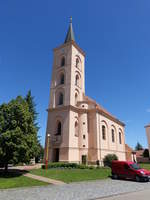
<point>115,36</point>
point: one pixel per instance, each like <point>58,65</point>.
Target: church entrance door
<point>84,159</point>
<point>56,155</point>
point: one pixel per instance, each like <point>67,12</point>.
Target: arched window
<point>62,79</point>
<point>103,132</point>
<point>76,129</point>
<point>77,80</point>
<point>77,62</point>
<point>60,98</point>
<point>58,130</point>
<point>120,139</point>
<point>63,61</point>
<point>113,135</point>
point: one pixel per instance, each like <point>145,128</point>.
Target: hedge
<point>67,165</point>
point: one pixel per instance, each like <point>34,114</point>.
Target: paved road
<point>144,194</point>
<point>75,191</point>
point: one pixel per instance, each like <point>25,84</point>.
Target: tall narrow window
<point>77,80</point>
<point>120,139</point>
<point>76,129</point>
<point>61,99</point>
<point>113,135</point>
<point>103,132</point>
<point>62,79</point>
<point>77,62</point>
<point>63,61</point>
<point>58,131</point>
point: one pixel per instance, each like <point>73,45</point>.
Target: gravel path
<point>44,179</point>
<point>76,191</point>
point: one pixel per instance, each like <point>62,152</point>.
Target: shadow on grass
<point>12,173</point>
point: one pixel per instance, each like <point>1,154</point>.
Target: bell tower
<point>67,85</point>
<point>148,135</point>
<point>67,89</point>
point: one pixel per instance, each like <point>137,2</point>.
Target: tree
<point>40,154</point>
<point>138,146</point>
<point>30,101</point>
<point>109,158</point>
<point>146,153</point>
<point>18,135</point>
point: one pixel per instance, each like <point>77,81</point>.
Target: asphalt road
<point>78,191</point>
<point>141,195</point>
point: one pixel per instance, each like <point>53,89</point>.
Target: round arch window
<point>63,61</point>
<point>58,128</point>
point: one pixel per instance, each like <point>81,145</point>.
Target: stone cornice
<point>90,148</point>
<point>81,110</point>
<point>69,107</point>
<point>68,43</point>
<point>111,117</point>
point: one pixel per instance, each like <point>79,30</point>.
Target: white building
<point>79,128</point>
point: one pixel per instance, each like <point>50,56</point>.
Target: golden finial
<point>70,20</point>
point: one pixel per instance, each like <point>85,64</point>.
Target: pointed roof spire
<point>70,33</point>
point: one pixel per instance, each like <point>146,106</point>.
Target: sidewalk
<point>27,167</point>
<point>44,179</point>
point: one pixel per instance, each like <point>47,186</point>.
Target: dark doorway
<point>84,159</point>
<point>56,155</point>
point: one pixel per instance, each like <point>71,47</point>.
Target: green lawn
<point>73,175</point>
<point>145,165</point>
<point>13,180</point>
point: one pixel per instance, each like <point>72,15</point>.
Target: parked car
<point>129,170</point>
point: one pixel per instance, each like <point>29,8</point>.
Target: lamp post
<point>47,149</point>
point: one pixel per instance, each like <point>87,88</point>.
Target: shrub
<point>62,165</point>
<point>109,158</point>
<point>146,153</point>
<point>82,166</point>
<point>91,167</point>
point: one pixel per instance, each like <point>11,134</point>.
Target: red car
<point>129,170</point>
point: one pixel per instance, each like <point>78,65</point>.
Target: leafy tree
<point>18,135</point>
<point>109,158</point>
<point>40,154</point>
<point>146,153</point>
<point>138,146</point>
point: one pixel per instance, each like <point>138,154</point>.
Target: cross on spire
<point>70,33</point>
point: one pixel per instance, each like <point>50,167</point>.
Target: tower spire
<point>70,33</point>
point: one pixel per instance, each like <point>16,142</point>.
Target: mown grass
<point>73,175</point>
<point>16,179</point>
<point>145,165</point>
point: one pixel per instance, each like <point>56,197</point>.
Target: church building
<point>79,130</point>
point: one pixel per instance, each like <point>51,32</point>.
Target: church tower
<point>67,89</point>
<point>148,135</point>
<point>79,130</point>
